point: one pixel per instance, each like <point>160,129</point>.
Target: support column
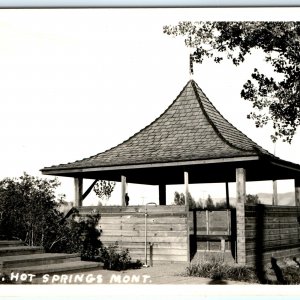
<point>227,195</point>
<point>186,188</point>
<point>186,192</point>
<point>123,190</point>
<point>275,194</point>
<point>297,191</point>
<point>240,215</point>
<point>78,182</point>
<point>162,194</point>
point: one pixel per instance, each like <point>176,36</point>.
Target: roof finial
<point>191,65</point>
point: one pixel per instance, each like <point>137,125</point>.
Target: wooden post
<point>275,194</point>
<point>297,191</point>
<point>240,215</point>
<point>162,194</point>
<point>186,192</point>
<point>186,188</point>
<point>123,190</point>
<point>78,182</point>
<point>227,195</point>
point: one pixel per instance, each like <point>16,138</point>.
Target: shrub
<point>116,259</point>
<point>78,235</point>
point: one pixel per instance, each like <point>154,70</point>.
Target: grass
<point>216,269</point>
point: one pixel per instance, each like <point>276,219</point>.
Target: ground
<point>159,274</point>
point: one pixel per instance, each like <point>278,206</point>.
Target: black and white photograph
<point>150,147</point>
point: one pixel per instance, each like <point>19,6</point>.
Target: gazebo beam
<point>78,184</point>
<point>87,192</point>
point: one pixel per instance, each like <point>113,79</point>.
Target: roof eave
<point>62,171</point>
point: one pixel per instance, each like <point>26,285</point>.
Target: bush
<point>116,259</point>
<point>78,235</point>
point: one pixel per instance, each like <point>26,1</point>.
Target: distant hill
<point>283,198</point>
<point>266,198</point>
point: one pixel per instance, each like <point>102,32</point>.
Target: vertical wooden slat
<point>78,182</point>
<point>123,190</point>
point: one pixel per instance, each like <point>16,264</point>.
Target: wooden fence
<point>167,231</point>
<point>271,231</point>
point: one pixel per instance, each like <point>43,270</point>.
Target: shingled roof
<point>191,128</point>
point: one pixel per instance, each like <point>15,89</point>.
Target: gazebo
<point>190,142</point>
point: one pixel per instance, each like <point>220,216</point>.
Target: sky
<point>78,82</point>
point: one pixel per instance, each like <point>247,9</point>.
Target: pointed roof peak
<point>191,128</point>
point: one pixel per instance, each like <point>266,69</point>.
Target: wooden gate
<point>212,230</point>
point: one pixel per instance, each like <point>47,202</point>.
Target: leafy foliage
<point>179,199</point>
<point>252,199</point>
<point>273,100</point>
<point>29,210</point>
<point>77,235</point>
<point>30,213</point>
<point>116,259</point>
<point>209,204</point>
<point>103,189</point>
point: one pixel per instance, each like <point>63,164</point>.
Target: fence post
<point>240,215</point>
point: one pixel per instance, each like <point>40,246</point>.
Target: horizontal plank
<point>142,239</point>
<point>155,227</point>
<point>141,246</point>
<point>273,245</point>
<point>133,220</point>
<point>155,221</point>
<point>158,251</point>
<point>110,226</point>
<point>274,237</point>
<point>132,208</point>
<point>159,260</point>
<point>212,228</point>
<point>142,233</point>
<point>150,227</point>
<point>272,220</point>
<point>165,245</point>
<point>276,231</point>
<point>251,226</point>
<point>272,225</point>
